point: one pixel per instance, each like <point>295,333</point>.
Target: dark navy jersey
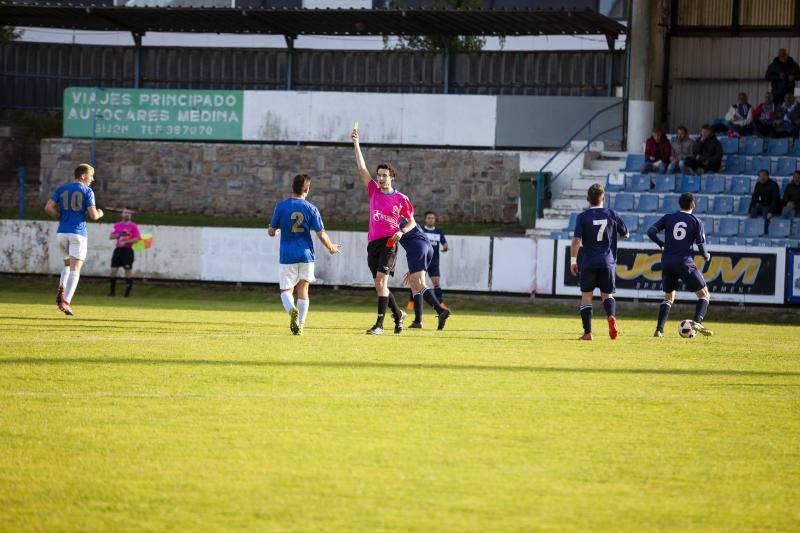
<point>682,231</point>
<point>598,227</point>
<point>437,238</point>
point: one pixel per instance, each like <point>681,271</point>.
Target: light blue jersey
<point>296,218</point>
<point>73,200</point>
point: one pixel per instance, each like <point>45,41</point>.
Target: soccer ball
<point>686,330</point>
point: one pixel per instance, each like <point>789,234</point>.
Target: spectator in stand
<point>656,153</point>
<point>764,116</point>
<point>788,118</point>
<point>680,150</point>
<point>706,153</point>
<point>791,197</point>
<point>766,199</point>
<point>738,119</point>
<point>782,73</point>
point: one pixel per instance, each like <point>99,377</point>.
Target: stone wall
<point>247,179</point>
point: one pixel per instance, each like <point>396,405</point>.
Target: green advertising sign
<point>153,113</point>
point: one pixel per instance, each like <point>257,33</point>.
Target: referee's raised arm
<point>362,166</point>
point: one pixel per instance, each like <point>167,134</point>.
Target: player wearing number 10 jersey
<point>70,205</point>
<point>295,217</point>
<point>597,229</point>
<point>682,230</point>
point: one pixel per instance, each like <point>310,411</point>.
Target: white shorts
<point>290,275</point>
<point>73,245</point>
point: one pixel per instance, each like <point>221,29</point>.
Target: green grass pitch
<point>195,409</point>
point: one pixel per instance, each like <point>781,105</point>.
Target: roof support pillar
<point>640,103</point>
<point>290,63</point>
<point>137,60</point>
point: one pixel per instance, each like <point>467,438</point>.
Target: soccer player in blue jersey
<point>597,229</point>
<point>438,241</point>
<point>419,254</point>
<point>681,230</point>
<point>295,217</point>
<point>70,205</point>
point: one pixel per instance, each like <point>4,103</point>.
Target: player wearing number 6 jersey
<point>681,230</point>
<point>295,217</point>
<point>597,229</point>
<point>70,205</point>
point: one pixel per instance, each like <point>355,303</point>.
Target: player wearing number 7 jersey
<point>295,217</point>
<point>597,228</point>
<point>682,230</point>
<point>70,205</point>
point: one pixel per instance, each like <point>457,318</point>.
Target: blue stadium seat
<point>631,222</point>
<point>765,242</point>
<point>634,163</point>
<point>712,240</point>
<point>795,149</point>
<point>649,220</point>
<point>736,241</point>
<point>796,232</point>
<point>640,183</point>
<point>753,146</point>
<point>701,204</point>
<point>723,205</point>
<point>759,163</point>
<point>637,237</point>
<point>752,227</point>
<point>783,183</point>
<point>778,146</point>
<point>727,227</point>
<point>690,183</point>
<point>615,182</point>
<point>665,183</point>
<point>793,243</point>
<point>670,203</point>
<point>648,203</point>
<point>786,166</point>
<point>740,185</point>
<point>573,219</point>
<point>730,145</point>
<point>623,202</point>
<point>714,184</point>
<point>733,164</point>
<point>780,228</point>
<point>743,207</point>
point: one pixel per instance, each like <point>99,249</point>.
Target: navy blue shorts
<point>433,269</point>
<point>673,273</point>
<point>419,254</point>
<point>602,278</point>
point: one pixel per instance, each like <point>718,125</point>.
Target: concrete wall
<point>249,255</point>
<point>248,179</point>
<point>548,121</point>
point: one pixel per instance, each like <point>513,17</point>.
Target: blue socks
<point>610,305</point>
<point>700,309</point>
<point>663,313</point>
<point>586,317</point>
<point>430,297</point>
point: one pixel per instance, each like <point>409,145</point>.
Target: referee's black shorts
<point>122,257</point>
<point>381,257</point>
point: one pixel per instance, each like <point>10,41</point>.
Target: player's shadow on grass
<point>401,366</point>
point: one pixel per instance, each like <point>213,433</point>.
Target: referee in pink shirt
<point>126,233</point>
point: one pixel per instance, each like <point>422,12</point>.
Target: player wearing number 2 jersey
<point>295,217</point>
<point>70,205</point>
<point>682,230</point>
<point>597,228</point>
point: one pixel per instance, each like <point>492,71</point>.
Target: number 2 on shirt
<point>298,218</point>
<point>75,201</point>
<point>602,223</point>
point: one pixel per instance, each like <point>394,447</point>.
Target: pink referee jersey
<point>132,233</point>
<point>385,211</point>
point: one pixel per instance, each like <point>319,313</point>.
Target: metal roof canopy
<point>294,22</point>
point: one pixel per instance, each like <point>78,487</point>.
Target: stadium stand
<point>722,199</point>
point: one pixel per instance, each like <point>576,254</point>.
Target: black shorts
<point>602,278</point>
<point>122,257</point>
<point>381,258</point>
<point>673,273</point>
<point>433,268</point>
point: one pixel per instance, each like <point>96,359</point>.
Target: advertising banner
<point>740,274</point>
<point>793,276</point>
<point>175,114</point>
